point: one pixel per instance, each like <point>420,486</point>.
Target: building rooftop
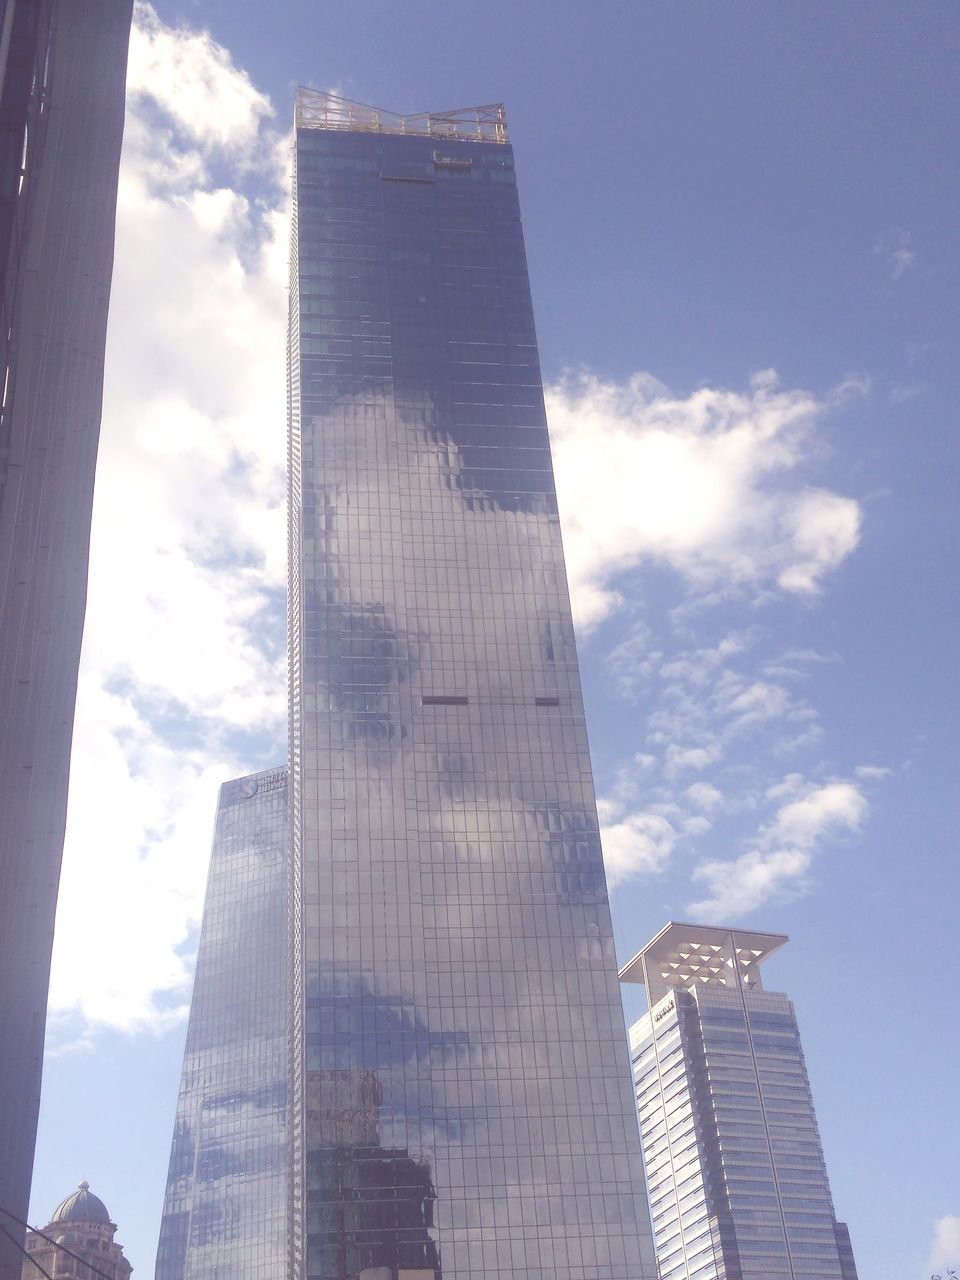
<point>316,109</point>
<point>81,1206</point>
<point>691,955</point>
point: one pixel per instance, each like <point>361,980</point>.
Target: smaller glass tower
<point>737,1182</point>
<point>225,1210</point>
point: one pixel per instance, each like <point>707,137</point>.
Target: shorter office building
<point>737,1182</point>
<point>79,1240</point>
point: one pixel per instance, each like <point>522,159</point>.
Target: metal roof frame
<point>317,109</point>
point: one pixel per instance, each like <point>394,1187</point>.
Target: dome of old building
<point>81,1206</point>
<point>78,1240</point>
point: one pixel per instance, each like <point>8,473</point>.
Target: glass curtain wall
<point>461,1100</point>
<point>225,1212</point>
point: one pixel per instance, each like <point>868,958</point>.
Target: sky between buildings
<point>741,227</point>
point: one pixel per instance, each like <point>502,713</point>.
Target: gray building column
<point>56,294</point>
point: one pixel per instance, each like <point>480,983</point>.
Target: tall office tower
<point>62,66</point>
<point>738,1186</point>
<point>225,1212</point>
<point>460,1087</point>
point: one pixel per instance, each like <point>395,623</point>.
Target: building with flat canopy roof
<point>688,955</point>
<point>737,1182</point>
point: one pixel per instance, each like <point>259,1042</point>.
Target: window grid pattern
<point>737,1180</point>
<point>225,1211</point>
<point>463,1077</point>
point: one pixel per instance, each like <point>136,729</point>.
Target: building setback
<point>62,70</point>
<point>737,1182</point>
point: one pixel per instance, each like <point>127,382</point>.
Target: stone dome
<point>81,1206</point>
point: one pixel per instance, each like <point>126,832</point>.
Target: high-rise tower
<point>738,1186</point>
<point>225,1210</point>
<point>62,70</point>
<point>460,1097</point>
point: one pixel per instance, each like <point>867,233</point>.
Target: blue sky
<point>740,221</point>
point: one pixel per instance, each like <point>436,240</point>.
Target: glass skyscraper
<point>225,1212</point>
<point>737,1182</point>
<point>460,1085</point>
<point>459,1098</point>
<point>62,70</point>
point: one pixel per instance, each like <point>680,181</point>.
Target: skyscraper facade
<point>62,70</point>
<point>459,1098</point>
<point>737,1182</point>
<point>225,1211</point>
<point>457,1085</point>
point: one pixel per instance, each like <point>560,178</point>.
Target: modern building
<point>737,1182</point>
<point>225,1212</point>
<point>77,1241</point>
<point>453,950</point>
<point>62,71</point>
<point>459,1098</point>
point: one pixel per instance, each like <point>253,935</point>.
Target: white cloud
<point>872,772</point>
<point>752,703</point>
<point>795,664</point>
<point>140,825</point>
<point>634,660</point>
<point>679,759</point>
<point>698,825</point>
<point>698,667</point>
<point>712,486</point>
<point>897,251</point>
<point>637,844</point>
<point>645,822</point>
<point>194,81</point>
<point>709,702</point>
<point>821,529</point>
<point>701,484</point>
<point>904,392</point>
<point>945,1250</point>
<point>182,678</point>
<point>704,797</point>
<point>784,849</point>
